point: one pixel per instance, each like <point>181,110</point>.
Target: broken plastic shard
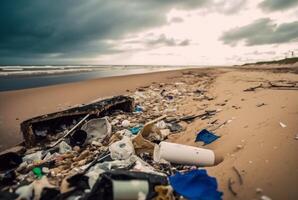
<point>25,192</point>
<point>64,147</point>
<point>97,129</point>
<point>206,136</point>
<point>33,157</point>
<point>282,125</point>
<point>195,184</point>
<point>122,149</point>
<point>135,130</point>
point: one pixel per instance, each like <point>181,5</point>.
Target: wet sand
<point>253,141</point>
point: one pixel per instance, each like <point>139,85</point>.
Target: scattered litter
<point>78,154</point>
<point>195,184</point>
<point>206,136</point>
<point>296,137</point>
<point>282,125</point>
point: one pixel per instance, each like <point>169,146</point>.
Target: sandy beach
<point>254,140</point>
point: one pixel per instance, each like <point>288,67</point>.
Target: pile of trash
<point>111,149</point>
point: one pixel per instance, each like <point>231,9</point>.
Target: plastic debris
<point>37,172</point>
<point>64,147</point>
<point>126,185</point>
<point>33,157</point>
<point>122,149</point>
<point>139,109</point>
<point>183,154</point>
<point>161,125</point>
<point>282,125</point>
<point>206,136</point>
<point>125,123</point>
<point>25,192</point>
<point>135,130</point>
<point>264,197</point>
<point>97,129</point>
<point>78,138</point>
<point>195,184</point>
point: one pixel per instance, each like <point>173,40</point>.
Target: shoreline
<point>16,105</point>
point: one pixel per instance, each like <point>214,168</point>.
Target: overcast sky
<point>174,32</point>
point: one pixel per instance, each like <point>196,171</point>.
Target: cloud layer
<point>275,5</point>
<point>65,29</point>
<point>262,31</point>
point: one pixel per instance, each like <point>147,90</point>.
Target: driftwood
<point>274,86</point>
<point>39,129</point>
<point>238,174</point>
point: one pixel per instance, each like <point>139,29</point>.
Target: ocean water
<point>16,77</point>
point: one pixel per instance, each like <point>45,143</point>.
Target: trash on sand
<point>33,157</point>
<point>135,130</point>
<point>175,127</point>
<point>97,129</point>
<point>195,184</point>
<point>164,192</point>
<point>64,147</point>
<point>264,197</point>
<point>282,125</point>
<point>296,137</point>
<point>139,109</point>
<point>122,184</point>
<point>122,149</point>
<point>206,136</point>
<point>183,154</point>
<point>37,172</point>
<point>8,177</point>
<point>78,138</point>
<point>141,145</point>
<point>125,123</point>
<point>54,121</point>
<point>10,160</point>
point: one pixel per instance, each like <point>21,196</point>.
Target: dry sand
<point>253,141</point>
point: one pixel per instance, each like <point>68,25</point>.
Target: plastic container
<point>187,155</point>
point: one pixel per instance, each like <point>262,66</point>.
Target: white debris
<point>282,125</point>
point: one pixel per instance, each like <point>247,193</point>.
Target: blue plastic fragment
<point>195,185</point>
<point>135,130</point>
<point>138,109</point>
<point>206,136</point>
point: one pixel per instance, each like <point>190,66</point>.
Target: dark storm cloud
<point>69,28</point>
<point>275,5</point>
<point>262,31</point>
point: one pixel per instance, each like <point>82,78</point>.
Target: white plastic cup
<point>184,154</point>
